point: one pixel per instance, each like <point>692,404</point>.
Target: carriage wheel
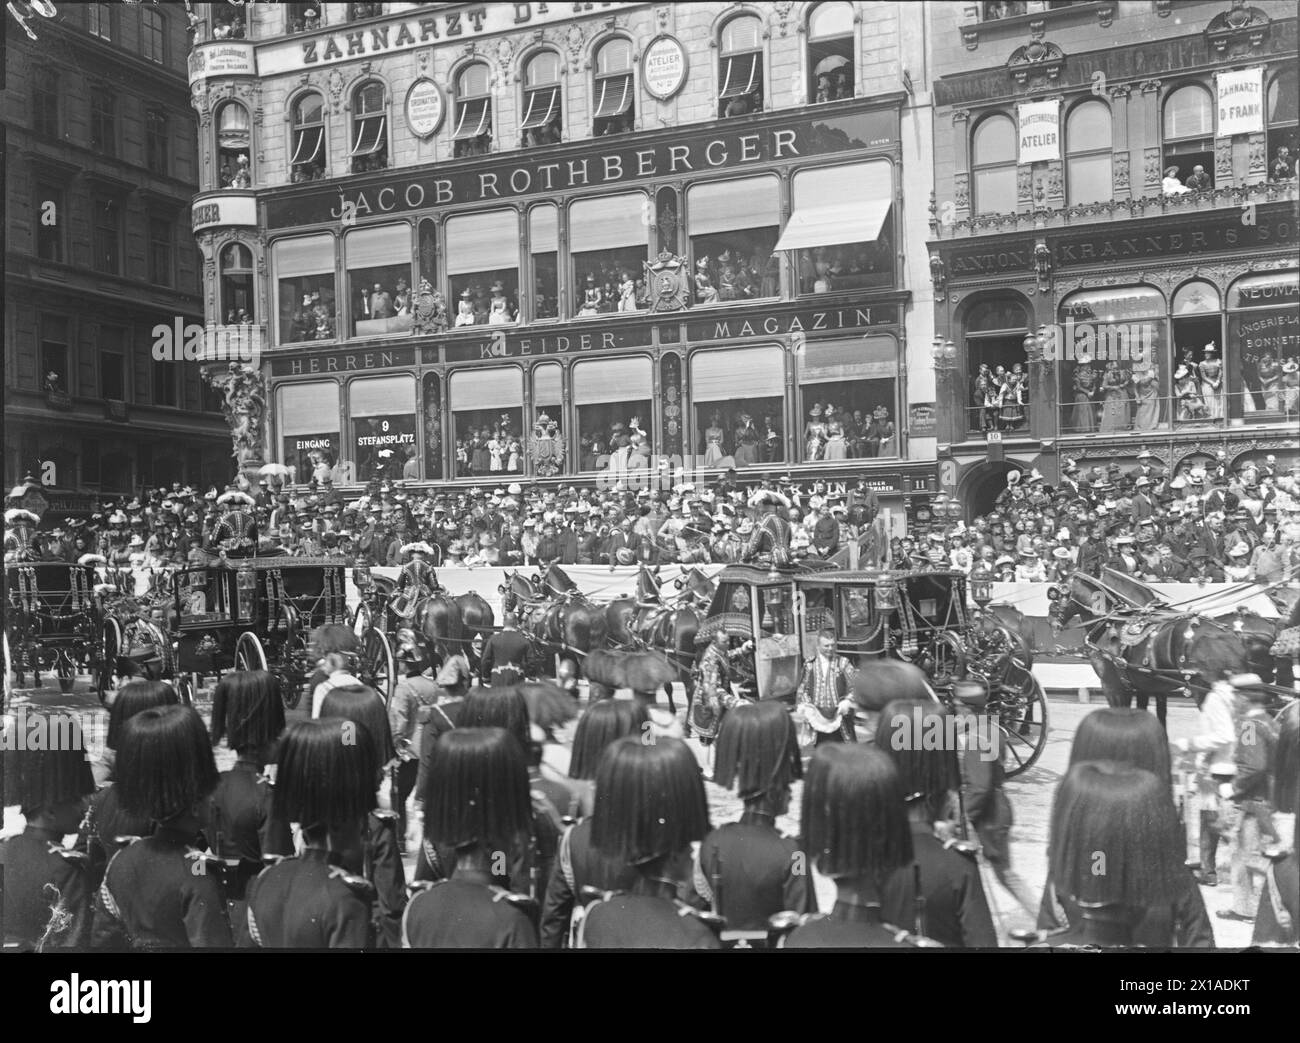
<point>949,660</point>
<point>184,685</point>
<point>249,654</point>
<point>361,619</point>
<point>1022,719</point>
<point>377,667</point>
<point>66,671</point>
<point>110,646</point>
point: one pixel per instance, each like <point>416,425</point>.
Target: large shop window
<point>733,230</point>
<point>1198,384</point>
<point>841,230</point>
<point>369,147</point>
<point>740,68</point>
<point>483,264</point>
<point>487,415</point>
<point>1087,164</point>
<point>613,89</point>
<point>830,52</point>
<point>472,133</point>
<point>997,366</point>
<point>1113,361</point>
<point>1264,328</point>
<point>546,445</point>
<point>233,138</point>
<point>309,430</point>
<point>1283,125</point>
<point>382,410</point>
<point>849,397</point>
<point>307,160</point>
<point>237,283</point>
<point>1188,140</point>
<point>613,400</point>
<point>379,273</point>
<point>543,109</point>
<point>993,165</point>
<point>737,416</point>
<point>607,238</point>
<point>304,280</point>
<point>544,245</point>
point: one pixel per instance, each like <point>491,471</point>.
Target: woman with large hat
<point>748,869</point>
<point>47,888</point>
<point>325,782</point>
<point>650,809</point>
<point>1123,815</point>
<point>161,892</point>
<point>248,713</point>
<point>478,806</point>
<point>578,864</point>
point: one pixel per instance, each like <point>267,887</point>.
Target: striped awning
<point>473,118</point>
<point>542,106</point>
<point>369,137</point>
<point>740,76</point>
<point>615,96</point>
<point>310,145</point>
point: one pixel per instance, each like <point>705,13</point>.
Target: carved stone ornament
<point>1037,64</point>
<point>1222,157</point>
<point>1119,172</point>
<point>1238,32</point>
<point>961,191</point>
<point>574,40</point>
<point>336,89</point>
<point>1151,168</point>
<point>1025,183</point>
<point>244,406</point>
<point>937,273</point>
<point>667,279</point>
<point>1257,156</point>
<point>782,10</point>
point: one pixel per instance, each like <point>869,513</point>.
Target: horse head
<point>515,589</point>
<point>557,582</point>
<point>1080,595</point>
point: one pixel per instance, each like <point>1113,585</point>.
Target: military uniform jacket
<point>578,865</point>
<point>154,897</point>
<point>238,821</point>
<point>468,912</point>
<point>43,880</point>
<point>309,902</point>
<point>631,921</point>
<point>956,911</point>
<point>762,872</point>
<point>509,648</point>
<point>848,927</point>
<point>105,821</point>
<point>1183,923</point>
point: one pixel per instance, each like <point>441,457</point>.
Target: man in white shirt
<point>338,667</point>
<point>1215,747</point>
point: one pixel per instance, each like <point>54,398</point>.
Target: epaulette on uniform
<point>418,887</point>
<point>358,885</point>
<point>501,894</point>
<point>77,858</point>
<point>962,847</point>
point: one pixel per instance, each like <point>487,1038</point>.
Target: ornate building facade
<point>563,241</point>
<point>100,172</point>
<point>1114,221</point>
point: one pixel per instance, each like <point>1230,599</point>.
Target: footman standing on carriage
<point>770,540</point>
<point>235,532</point>
<point>47,887</point>
<point>20,525</point>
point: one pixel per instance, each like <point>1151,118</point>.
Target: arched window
<point>236,284</point>
<point>302,17</point>
<point>308,162</point>
<point>995,329</point>
<point>1283,140</point>
<point>233,140</point>
<point>1087,162</point>
<point>994,165</point>
<point>740,69</point>
<point>1188,140</point>
<point>830,52</point>
<point>369,128</point>
<point>473,132</point>
<point>612,90</point>
<point>543,115</point>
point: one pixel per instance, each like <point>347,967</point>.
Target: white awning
<point>615,96</point>
<point>309,146</point>
<point>369,137</point>
<point>474,118</point>
<point>382,396</point>
<point>737,373</point>
<point>833,223</point>
<point>542,104</point>
<point>602,381</point>
<point>498,387</point>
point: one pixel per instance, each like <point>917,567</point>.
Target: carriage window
<point>304,279</point>
<point>855,609</point>
<point>383,426</point>
<point>776,616</point>
<point>309,429</point>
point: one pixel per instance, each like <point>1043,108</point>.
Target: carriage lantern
<point>886,597</point>
<point>981,589</point>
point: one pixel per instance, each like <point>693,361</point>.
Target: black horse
<point>1140,652</point>
<point>555,613</point>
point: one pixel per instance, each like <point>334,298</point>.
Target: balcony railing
<point>1186,412</point>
